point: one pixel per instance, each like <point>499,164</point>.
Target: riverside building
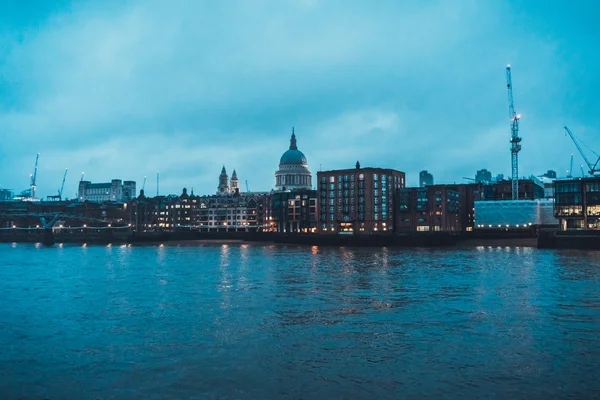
<point>359,200</point>
<point>115,191</point>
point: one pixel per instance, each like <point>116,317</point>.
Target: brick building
<point>359,200</point>
<point>443,208</point>
<point>529,189</point>
<point>291,211</point>
<point>433,208</point>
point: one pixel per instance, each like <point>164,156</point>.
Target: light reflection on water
<point>250,321</point>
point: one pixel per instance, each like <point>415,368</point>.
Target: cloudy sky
<point>122,89</point>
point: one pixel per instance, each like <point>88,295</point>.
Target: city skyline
<point>123,91</point>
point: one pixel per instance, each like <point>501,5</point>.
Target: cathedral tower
<point>223,183</point>
<point>234,182</point>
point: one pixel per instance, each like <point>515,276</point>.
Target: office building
<point>577,203</point>
<point>291,211</point>
<point>113,191</point>
<point>483,176</point>
<point>425,179</point>
<point>5,194</point>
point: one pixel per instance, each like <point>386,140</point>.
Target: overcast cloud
<point>122,89</point>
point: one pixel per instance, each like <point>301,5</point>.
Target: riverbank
<point>116,237</point>
<point>544,238</point>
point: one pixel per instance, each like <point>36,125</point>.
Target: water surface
<point>241,321</point>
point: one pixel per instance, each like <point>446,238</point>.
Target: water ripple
<point>259,322</point>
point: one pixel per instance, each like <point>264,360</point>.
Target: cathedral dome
<point>293,172</point>
<point>293,157</point>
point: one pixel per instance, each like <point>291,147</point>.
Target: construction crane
<point>60,191</point>
<point>570,170</point>
<point>515,140</point>
<point>33,177</point>
<point>62,187</point>
<point>593,168</point>
<point>247,190</point>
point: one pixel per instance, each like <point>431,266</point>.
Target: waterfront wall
<point>555,239</point>
<point>425,239</point>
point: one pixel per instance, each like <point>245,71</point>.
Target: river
<point>252,321</point>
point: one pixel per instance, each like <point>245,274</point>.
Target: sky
<point>123,89</point>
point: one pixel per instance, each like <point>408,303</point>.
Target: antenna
<point>157,181</point>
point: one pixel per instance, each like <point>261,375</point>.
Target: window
<point>361,177</point>
<point>323,180</point>
<point>332,179</point>
<point>376,185</point>
<point>374,177</point>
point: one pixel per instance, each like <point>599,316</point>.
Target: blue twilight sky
<point>122,89</point>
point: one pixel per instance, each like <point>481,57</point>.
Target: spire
<point>234,175</point>
<point>223,172</point>
<point>293,141</point>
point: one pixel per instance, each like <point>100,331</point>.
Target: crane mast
<point>34,176</point>
<point>515,140</point>
<point>60,192</point>
<point>570,171</point>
